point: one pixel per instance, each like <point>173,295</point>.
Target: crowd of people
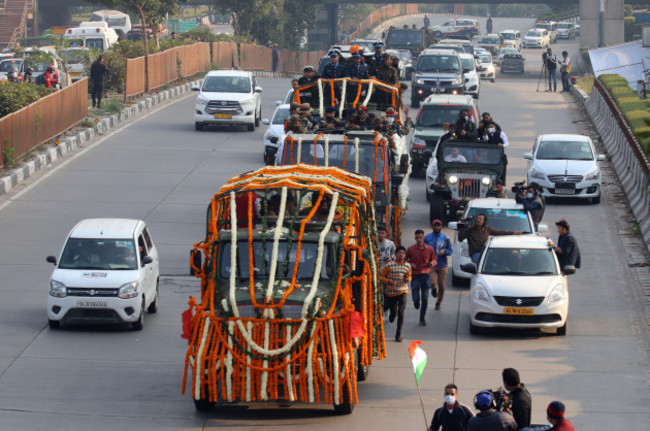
<point>49,78</point>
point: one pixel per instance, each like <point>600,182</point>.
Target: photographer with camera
<point>518,396</point>
<point>489,419</point>
<point>477,235</point>
<point>530,199</point>
<point>550,62</point>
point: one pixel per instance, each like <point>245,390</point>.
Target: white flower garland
<point>229,364</point>
<point>274,253</point>
<point>343,95</point>
<point>199,360</point>
<point>371,87</point>
<point>265,364</point>
<point>320,99</point>
<point>248,369</point>
<point>288,373</point>
<point>356,155</point>
<point>233,254</point>
<point>335,363</point>
<point>310,366</point>
<point>299,150</point>
<point>327,150</point>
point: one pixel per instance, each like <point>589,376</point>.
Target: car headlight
<point>418,141</point>
<point>490,68</point>
<point>247,102</point>
<point>201,100</point>
<point>57,289</point>
<point>481,294</point>
<point>485,181</point>
<point>452,179</point>
<point>419,81</point>
<point>128,290</point>
<point>463,249</point>
<point>534,173</point>
<point>457,81</point>
<point>557,294</point>
<point>593,175</point>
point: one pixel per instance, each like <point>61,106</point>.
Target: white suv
<point>503,214</point>
<point>228,98</point>
<point>472,79</point>
<point>511,39</point>
<point>108,272</point>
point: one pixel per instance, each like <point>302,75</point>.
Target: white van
<point>92,35</point>
<point>108,272</point>
<point>115,19</point>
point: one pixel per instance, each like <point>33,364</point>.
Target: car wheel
<point>492,80</point>
<point>54,324</point>
<point>204,404</point>
<point>362,371</point>
<point>473,329</point>
<point>435,208</point>
<point>139,324</point>
<point>458,281</point>
<point>428,195</point>
<point>258,119</point>
<point>476,96</point>
<point>153,307</point>
<point>595,200</point>
<point>561,331</point>
<point>347,399</point>
<point>198,126</point>
<point>251,127</point>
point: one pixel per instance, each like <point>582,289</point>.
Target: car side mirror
<point>147,260</point>
<point>258,89</point>
<point>427,154</point>
<point>601,157</point>
<point>195,88</point>
<point>51,259</point>
<point>569,269</point>
<point>542,228</point>
<point>453,225</point>
<point>197,261</point>
<point>469,267</point>
<point>528,156</point>
<point>278,102</point>
<point>274,140</point>
<point>265,121</point>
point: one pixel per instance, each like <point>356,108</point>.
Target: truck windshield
<point>105,254</point>
<point>404,37</point>
<point>263,254</point>
<point>512,261</point>
<point>505,219</point>
<point>370,161</point>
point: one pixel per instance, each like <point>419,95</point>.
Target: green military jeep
<point>436,111</point>
<point>460,171</point>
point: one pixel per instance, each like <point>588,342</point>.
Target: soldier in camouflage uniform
<point>386,72</point>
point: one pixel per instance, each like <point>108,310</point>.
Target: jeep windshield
<point>471,154</point>
<point>440,63</point>
<point>558,150</point>
<point>515,261</point>
<point>404,37</point>
<point>369,160</point>
<point>438,115</point>
<point>227,84</point>
<point>504,219</point>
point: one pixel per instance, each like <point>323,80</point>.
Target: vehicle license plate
<point>91,304</point>
<point>227,116</point>
<point>75,73</point>
<point>519,311</point>
<point>565,191</point>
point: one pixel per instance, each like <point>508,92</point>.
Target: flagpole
<point>424,415</point>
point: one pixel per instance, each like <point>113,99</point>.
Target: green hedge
<point>14,96</point>
<point>636,111</point>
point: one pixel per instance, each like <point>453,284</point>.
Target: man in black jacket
<point>520,397</point>
<point>97,71</point>
<point>567,250</point>
<point>452,416</point>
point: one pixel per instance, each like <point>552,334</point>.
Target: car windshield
<point>509,51</point>
<point>438,63</point>
<point>485,58</point>
<point>564,150</point>
<point>281,114</point>
<point>533,33</point>
<point>405,55</point>
<point>263,254</point>
<point>7,65</point>
<point>468,63</point>
<point>458,48</point>
<point>99,254</point>
<point>544,26</point>
<point>564,25</point>
<point>508,36</point>
<point>438,115</point>
<point>402,37</point>
<point>518,261</point>
<point>505,219</point>
<point>370,162</point>
<point>227,84</point>
<point>490,41</point>
<point>464,154</point>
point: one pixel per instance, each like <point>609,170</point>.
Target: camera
<point>465,222</point>
<point>502,401</point>
<point>519,187</point>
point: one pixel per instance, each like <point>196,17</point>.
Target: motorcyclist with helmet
<point>51,76</point>
<point>28,75</point>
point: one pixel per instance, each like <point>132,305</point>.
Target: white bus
<point>115,19</point>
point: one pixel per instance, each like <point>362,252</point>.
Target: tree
<point>151,13</point>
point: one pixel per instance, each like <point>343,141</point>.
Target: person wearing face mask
<point>452,416</point>
<point>532,203</point>
<point>485,122</point>
<point>495,136</point>
<point>465,127</point>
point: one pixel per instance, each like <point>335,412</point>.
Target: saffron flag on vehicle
<point>419,358</point>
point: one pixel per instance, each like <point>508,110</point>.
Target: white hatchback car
<point>274,132</point>
<point>108,272</point>
<point>518,283</point>
<point>228,98</point>
<point>487,68</point>
<point>565,166</point>
<point>504,214</point>
<point>472,79</point>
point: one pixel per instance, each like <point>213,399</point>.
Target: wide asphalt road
<point>159,169</point>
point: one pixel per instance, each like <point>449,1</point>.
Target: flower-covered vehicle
<point>290,307</point>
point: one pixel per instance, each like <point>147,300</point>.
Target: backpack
<point>40,79</point>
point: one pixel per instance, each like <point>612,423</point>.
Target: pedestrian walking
<point>565,69</point>
<point>555,415</point>
<point>488,25</point>
<point>386,247</point>
<point>442,246</point>
<point>452,416</point>
<point>396,276</point>
<point>422,258</point>
<point>97,74</point>
<point>567,250</point>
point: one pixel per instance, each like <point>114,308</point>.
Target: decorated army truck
<point>291,306</point>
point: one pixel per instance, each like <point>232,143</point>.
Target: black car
<point>437,71</point>
<point>512,63</point>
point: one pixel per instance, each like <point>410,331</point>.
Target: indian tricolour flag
<point>419,358</point>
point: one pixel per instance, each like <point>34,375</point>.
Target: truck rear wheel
<point>436,209</point>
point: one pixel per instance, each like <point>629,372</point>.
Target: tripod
<point>542,73</point>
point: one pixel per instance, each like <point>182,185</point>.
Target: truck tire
<point>362,370</point>
<point>435,208</point>
<point>204,404</point>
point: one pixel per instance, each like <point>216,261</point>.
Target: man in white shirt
<point>386,247</point>
<point>455,157</point>
<point>565,69</point>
